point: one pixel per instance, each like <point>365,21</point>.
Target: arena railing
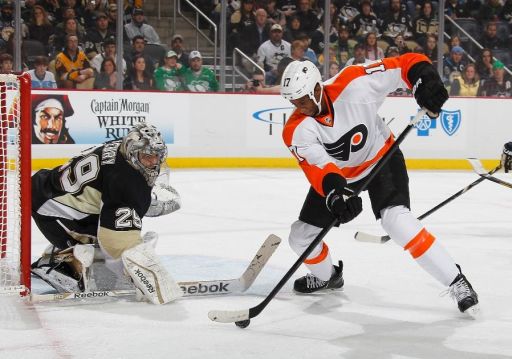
<point>235,70</point>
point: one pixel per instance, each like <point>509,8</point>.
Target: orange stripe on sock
<point>420,244</point>
<point>320,257</point>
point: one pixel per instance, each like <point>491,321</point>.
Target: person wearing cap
<point>169,76</point>
<point>454,64</point>
<point>109,51</point>
<point>198,78</point>
<point>359,56</point>
<point>177,45</point>
<point>272,51</point>
<point>138,27</point>
<point>500,85</point>
<point>95,36</point>
<point>49,113</point>
<point>40,76</point>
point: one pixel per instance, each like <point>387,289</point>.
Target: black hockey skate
<point>462,291</point>
<point>311,284</point>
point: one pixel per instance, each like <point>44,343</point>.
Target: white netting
<point>10,193</point>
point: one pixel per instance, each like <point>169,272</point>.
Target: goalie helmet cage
<point>15,183</point>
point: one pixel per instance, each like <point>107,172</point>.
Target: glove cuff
<point>333,181</point>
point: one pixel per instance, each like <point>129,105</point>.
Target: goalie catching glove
<point>345,209</point>
<point>506,157</point>
<point>428,89</point>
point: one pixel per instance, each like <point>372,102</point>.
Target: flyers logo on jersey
<point>352,141</point>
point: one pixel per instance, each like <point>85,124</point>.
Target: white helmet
<point>300,79</point>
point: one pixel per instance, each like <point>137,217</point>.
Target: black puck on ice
<point>243,323</point>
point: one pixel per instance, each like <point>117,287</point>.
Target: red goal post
<point>15,183</point>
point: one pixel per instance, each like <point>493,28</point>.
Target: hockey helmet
<point>144,139</point>
<point>300,79</point>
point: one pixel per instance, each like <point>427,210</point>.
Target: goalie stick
<point>366,237</point>
<point>242,317</point>
<point>190,288</point>
<point>479,169</point>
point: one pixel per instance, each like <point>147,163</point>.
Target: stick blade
<point>370,238</point>
<point>258,262</point>
<point>228,316</point>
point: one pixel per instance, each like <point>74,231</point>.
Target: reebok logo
<point>144,281</point>
<point>205,289</point>
<point>91,294</point>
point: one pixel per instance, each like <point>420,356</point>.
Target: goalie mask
<point>300,79</point>
<point>144,140</point>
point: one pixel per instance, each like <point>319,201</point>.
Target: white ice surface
<point>389,307</point>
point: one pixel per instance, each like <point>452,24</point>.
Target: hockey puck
<point>243,323</point>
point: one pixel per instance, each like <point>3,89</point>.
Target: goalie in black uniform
<point>98,199</point>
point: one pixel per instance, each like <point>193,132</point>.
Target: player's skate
<point>311,284</point>
<point>65,270</point>
<point>462,291</point>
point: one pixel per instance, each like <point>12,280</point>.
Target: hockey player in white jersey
<point>337,138</point>
<point>99,199</point>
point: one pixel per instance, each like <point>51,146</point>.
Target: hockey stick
<point>190,289</point>
<point>242,317</point>
<point>479,169</point>
<point>366,237</point>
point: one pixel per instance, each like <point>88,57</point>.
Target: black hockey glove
<point>428,89</point>
<point>344,209</point>
<point>506,157</point>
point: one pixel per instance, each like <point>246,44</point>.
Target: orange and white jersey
<point>351,138</point>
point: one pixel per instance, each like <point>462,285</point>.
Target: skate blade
<point>320,292</point>
<point>473,312</point>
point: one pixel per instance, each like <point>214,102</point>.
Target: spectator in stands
<point>467,84</point>
<point>365,21</point>
<point>109,52</point>
<point>138,27</point>
<point>27,8</point>
<point>400,43</point>
<point>49,114</point>
<point>70,28</point>
<point>484,64</point>
<point>256,83</point>
<point>308,18</point>
<point>506,12</point>
<point>253,35</point>
<point>456,9</point>
<point>92,7</point>
<point>6,63</point>
<point>39,27</point>
<point>242,17</point>
<point>490,11</point>
<point>178,48</point>
<point>347,11</point>
<point>77,7</point>
<point>271,52</point>
<point>7,23</point>
<point>275,16</point>
<point>500,85</point>
<point>71,65</point>
<point>41,77</point>
<point>333,55</point>
<point>69,13</point>
<point>344,46</point>
<point>139,78</point>
<point>396,21</point>
<point>453,64</point>
<point>490,40</point>
<point>359,56</point>
<point>392,51</point>
<point>107,77</point>
<point>169,76</point>
<point>426,23</point>
<point>112,17</point>
<point>198,78</point>
<point>292,30</point>
<point>138,46</point>
<point>96,36</point>
<point>309,53</point>
<point>371,50</point>
<point>431,48</point>
<point>287,7</point>
<point>334,69</point>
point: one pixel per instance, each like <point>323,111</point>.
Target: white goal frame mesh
<point>15,183</point>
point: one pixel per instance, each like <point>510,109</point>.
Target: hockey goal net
<point>15,187</point>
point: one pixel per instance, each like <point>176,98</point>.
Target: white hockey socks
<point>149,275</point>
<point>408,232</point>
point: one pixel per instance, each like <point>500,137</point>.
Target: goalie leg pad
<point>149,275</point>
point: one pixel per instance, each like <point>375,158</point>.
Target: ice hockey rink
<point>389,307</point>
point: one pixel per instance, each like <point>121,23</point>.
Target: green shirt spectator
<point>198,78</point>
<point>169,76</point>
